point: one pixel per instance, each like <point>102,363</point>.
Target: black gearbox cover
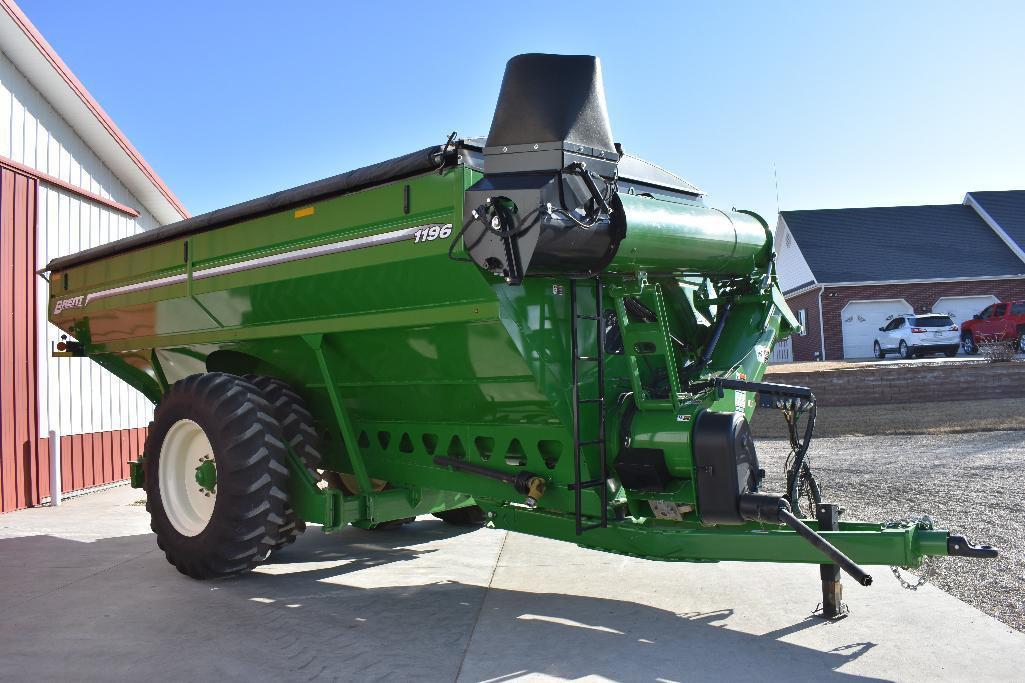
<point>726,465</point>
<point>643,469</point>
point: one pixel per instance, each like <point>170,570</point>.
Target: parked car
<point>918,335</point>
<point>1004,321</point>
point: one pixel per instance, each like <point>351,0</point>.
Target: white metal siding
<point>75,395</point>
<point>791,266</point>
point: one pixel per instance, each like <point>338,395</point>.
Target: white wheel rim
<point>188,505</point>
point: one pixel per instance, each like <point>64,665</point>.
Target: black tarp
<point>398,168</point>
<point>468,151</point>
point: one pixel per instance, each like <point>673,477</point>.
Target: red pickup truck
<point>997,322</point>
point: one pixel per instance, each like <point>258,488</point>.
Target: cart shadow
<point>508,634</point>
<point>323,608</point>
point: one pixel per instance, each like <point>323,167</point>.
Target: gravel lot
<point>971,483</point>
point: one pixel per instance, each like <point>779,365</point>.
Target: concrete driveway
<point>86,595</point>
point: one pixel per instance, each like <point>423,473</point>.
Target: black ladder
<point>601,483</point>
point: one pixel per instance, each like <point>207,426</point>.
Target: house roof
<point>37,60</point>
<point>940,242</point>
<point>1007,209</point>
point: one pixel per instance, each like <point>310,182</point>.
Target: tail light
<point>918,330</point>
<point>954,328</point>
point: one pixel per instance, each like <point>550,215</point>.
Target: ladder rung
<point>592,484</point>
<point>577,486</point>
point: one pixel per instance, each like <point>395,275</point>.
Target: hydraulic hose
<point>800,448</point>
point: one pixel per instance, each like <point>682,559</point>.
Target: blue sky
<point>860,104</point>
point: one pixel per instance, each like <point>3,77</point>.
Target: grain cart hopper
<point>537,331</point>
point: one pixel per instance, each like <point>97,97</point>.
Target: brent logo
<point>70,302</point>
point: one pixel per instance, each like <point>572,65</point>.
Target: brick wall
<point>806,346</point>
<point>883,384</point>
<point>921,296</point>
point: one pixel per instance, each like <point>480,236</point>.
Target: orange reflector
<point>305,211</point>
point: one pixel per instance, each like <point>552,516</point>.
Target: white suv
<point>918,335</point>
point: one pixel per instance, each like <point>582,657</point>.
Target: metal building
<point>69,179</point>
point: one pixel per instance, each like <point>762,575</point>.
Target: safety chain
<point>928,566</point>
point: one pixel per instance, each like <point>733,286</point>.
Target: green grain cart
<point>537,331</point>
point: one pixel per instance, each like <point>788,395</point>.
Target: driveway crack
<point>480,610</point>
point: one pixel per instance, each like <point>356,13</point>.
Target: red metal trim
<point>13,165</point>
<point>19,422</point>
<point>8,445</point>
<point>58,64</point>
<point>94,459</point>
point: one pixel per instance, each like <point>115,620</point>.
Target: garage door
<point>962,308</point>
<point>861,321</point>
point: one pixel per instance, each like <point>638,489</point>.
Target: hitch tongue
<point>760,507</point>
<point>959,546</point>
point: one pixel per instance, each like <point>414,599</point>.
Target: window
<point>1018,308</point>
<point>1000,310</point>
<point>933,321</point>
<point>802,317</point>
<point>987,313</point>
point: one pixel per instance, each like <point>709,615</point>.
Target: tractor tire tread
<point>241,529</point>
<point>297,428</point>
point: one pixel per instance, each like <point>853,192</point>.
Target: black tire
<point>250,490</point>
<point>296,422</point>
<point>951,352</point>
<point>467,516</point>
<point>877,350</point>
<point>1021,343</point>
<point>969,345</point>
<point>905,351</point>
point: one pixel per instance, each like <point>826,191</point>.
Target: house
<point>69,179</point>
<point>845,272</point>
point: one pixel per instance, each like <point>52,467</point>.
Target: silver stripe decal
<point>308,252</point>
<point>272,260</point>
<point>137,287</point>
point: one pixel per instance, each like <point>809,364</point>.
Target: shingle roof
<point>900,243</point>
<point>1007,209</point>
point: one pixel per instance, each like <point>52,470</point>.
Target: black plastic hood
<point>552,98</point>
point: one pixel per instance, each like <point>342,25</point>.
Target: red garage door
<point>20,466</point>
